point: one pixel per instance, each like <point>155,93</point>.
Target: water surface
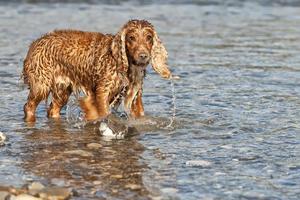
<point>237,105</point>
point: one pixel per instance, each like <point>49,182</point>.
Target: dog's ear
<point>159,56</point>
<point>119,50</point>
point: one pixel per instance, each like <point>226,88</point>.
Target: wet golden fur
<point>107,68</point>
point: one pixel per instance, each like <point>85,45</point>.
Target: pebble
<point>248,158</point>
<point>198,163</point>
<point>94,146</point>
<point>97,182</point>
<point>169,190</point>
<point>294,167</point>
<point>2,138</point>
<point>74,193</point>
<point>175,77</point>
<point>106,131</point>
<point>117,176</point>
<point>109,133</point>
<point>133,186</point>
<point>79,153</point>
<point>220,174</point>
<point>35,191</point>
<point>3,195</point>
<point>9,189</point>
<point>226,146</point>
<point>35,187</point>
<point>58,182</point>
<point>55,193</point>
<point>4,188</point>
<point>259,139</point>
<point>24,197</point>
<point>114,191</point>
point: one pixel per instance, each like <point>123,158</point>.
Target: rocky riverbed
<point>35,191</point>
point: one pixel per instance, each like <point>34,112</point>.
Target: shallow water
<point>237,106</point>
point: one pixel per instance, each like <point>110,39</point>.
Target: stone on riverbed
<point>2,138</point>
<point>24,197</point>
<point>198,163</point>
<point>35,191</point>
<point>58,182</point>
<point>132,186</point>
<point>110,132</point>
<point>35,187</point>
<point>55,193</point>
<point>79,153</point>
<point>94,146</point>
<point>3,195</point>
<point>113,127</point>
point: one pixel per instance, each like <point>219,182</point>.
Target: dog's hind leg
<point>33,100</point>
<point>60,96</point>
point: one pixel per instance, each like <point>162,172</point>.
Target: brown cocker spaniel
<point>106,68</point>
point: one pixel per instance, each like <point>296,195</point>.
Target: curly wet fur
<point>104,67</point>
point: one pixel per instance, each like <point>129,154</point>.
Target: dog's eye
<point>131,38</point>
<point>149,38</point>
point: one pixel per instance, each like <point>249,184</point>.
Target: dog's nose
<point>143,56</point>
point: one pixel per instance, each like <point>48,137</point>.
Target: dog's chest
<point>120,84</point>
<point>127,86</point>
<point>136,76</point>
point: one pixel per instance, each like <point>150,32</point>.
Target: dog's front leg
<point>137,108</point>
<point>133,102</point>
<point>88,106</point>
<point>102,101</point>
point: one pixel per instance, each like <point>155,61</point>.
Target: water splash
<point>74,114</point>
<point>111,127</point>
<point>173,109</point>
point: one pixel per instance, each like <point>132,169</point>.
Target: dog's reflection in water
<point>112,170</point>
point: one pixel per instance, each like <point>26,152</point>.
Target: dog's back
<point>62,54</point>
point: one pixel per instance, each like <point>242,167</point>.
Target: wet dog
<point>108,69</point>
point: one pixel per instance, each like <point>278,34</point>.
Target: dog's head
<point>137,43</point>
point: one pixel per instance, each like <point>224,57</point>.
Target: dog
<point>107,68</point>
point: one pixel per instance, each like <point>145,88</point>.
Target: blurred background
<point>141,2</point>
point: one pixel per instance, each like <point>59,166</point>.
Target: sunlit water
<point>237,106</point>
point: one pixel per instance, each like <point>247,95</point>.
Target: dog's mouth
<point>141,62</point>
